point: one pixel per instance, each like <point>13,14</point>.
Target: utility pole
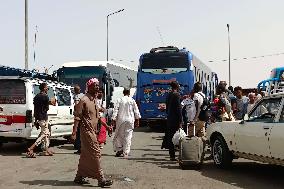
<point>26,36</point>
<point>228,26</point>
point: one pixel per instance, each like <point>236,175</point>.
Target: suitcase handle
<point>194,127</point>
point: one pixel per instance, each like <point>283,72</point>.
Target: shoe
<point>30,153</point>
<point>118,154</point>
<point>81,181</point>
<point>105,183</point>
<point>173,159</point>
<point>125,156</point>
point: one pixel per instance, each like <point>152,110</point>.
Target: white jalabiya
<point>125,113</point>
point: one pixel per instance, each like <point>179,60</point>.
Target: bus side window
<point>63,97</point>
<point>198,79</point>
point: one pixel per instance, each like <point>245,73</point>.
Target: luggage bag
<point>191,151</point>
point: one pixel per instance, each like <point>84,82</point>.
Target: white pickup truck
<point>259,137</point>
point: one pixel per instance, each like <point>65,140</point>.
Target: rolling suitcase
<point>191,151</point>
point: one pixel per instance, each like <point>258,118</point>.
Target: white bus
<point>109,73</point>
<point>123,76</point>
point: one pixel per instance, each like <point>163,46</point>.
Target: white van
<point>16,108</point>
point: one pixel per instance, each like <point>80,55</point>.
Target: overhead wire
<point>224,60</point>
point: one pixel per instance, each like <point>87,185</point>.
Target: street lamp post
<point>107,25</point>
<point>228,26</point>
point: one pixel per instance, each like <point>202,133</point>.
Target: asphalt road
<point>147,167</point>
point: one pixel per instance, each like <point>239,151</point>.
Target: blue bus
<point>274,83</point>
<point>158,68</point>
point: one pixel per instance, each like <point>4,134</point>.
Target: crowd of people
<point>231,103</point>
<point>194,111</point>
<point>92,121</point>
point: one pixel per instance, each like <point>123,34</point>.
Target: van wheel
<point>220,152</point>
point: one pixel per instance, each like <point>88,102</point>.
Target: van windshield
<point>12,91</point>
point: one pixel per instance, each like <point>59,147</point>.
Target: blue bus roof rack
<point>10,71</point>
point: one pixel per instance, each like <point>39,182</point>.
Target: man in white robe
<point>126,116</point>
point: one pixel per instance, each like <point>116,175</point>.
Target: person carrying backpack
<point>188,110</point>
<point>201,116</point>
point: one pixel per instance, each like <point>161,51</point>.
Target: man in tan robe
<point>88,114</point>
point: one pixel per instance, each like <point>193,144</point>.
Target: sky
<point>75,30</point>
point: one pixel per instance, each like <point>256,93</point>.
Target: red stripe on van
<point>8,119</point>
<point>12,119</point>
<point>19,119</point>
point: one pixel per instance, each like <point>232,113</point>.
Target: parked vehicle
<point>16,108</point>
<point>109,73</point>
<point>161,66</point>
<point>259,137</point>
<point>273,84</point>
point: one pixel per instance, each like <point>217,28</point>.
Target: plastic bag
<point>180,134</point>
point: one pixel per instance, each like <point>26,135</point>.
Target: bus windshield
<point>164,63</point>
<point>80,75</point>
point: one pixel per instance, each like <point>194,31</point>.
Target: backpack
<point>184,115</point>
<point>187,110</point>
<point>205,113</point>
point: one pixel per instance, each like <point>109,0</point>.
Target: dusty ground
<point>147,167</point>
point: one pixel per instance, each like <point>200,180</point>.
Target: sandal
<point>81,181</point>
<point>118,154</point>
<point>30,154</point>
<point>48,154</point>
<point>104,183</point>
